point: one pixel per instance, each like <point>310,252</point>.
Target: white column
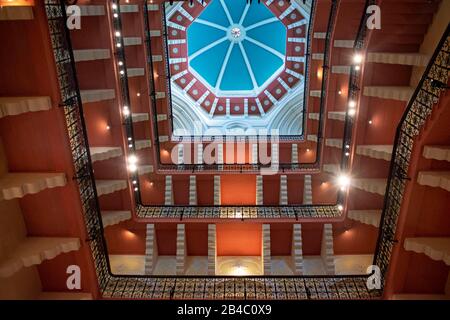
<point>275,154</point>
<point>297,249</point>
<point>219,153</point>
<point>267,267</point>
<point>294,153</point>
<point>220,156</point>
<point>254,153</point>
<point>181,250</point>
<point>394,93</point>
<point>409,59</point>
<point>307,190</point>
<point>259,191</point>
<point>327,250</point>
<point>283,190</point>
<point>180,154</point>
<point>168,197</point>
<point>151,250</point>
<point>212,250</point>
<point>199,158</point>
<point>217,196</point>
<point>192,191</point>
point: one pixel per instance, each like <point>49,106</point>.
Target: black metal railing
<point>164,287</point>
<point>240,212</point>
<point>325,74</point>
<point>77,135</point>
<point>354,87</point>
<point>420,107</point>
<point>250,168</point>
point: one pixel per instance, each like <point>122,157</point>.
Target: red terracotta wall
<point>280,239</point>
<point>239,239</point>
<point>238,189</point>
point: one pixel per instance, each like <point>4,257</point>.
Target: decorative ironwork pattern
<point>354,85</point>
<point>325,75</point>
<point>76,129</point>
<point>153,287</point>
<point>419,108</point>
<point>237,212</point>
<point>250,288</point>
<point>297,212</point>
<point>306,168</point>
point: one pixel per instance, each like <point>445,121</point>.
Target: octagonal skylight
<point>237,65</point>
<point>235,48</point>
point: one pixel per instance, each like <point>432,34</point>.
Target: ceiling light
<point>357,58</point>
<point>132,159</point>
<point>343,181</point>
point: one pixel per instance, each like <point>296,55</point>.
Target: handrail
<point>240,212</point>
<point>77,135</point>
<point>325,73</point>
<point>418,111</point>
<point>354,85</point>
<point>284,167</point>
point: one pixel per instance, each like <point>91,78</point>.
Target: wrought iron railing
<point>325,75</point>
<point>293,212</point>
<point>249,168</point>
<point>240,212</point>
<point>164,287</point>
<point>77,135</point>
<point>354,87</point>
<point>420,107</point>
<point>418,111</point>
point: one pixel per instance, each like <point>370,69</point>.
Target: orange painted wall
<point>238,189</point>
<point>352,237</point>
<point>280,239</point>
<point>424,214</point>
<point>197,239</point>
<point>239,239</point>
<point>126,238</point>
<point>38,142</point>
<point>312,238</point>
<point>166,238</point>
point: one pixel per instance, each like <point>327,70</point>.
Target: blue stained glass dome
<point>235,48</point>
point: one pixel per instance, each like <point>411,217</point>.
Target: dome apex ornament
<point>236,33</point>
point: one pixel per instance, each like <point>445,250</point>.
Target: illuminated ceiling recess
<point>237,67</point>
